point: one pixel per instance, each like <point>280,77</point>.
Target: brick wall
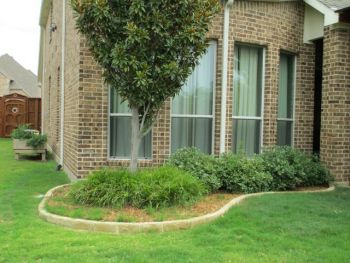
<point>72,84</point>
<point>335,125</point>
<point>52,85</point>
<point>93,97</point>
<point>52,61</point>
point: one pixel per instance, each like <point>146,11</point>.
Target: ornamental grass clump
<point>159,187</point>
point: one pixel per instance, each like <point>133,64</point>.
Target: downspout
<point>42,84</point>
<point>224,77</point>
<point>62,83</point>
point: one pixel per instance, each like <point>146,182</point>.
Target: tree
<point>146,48</point>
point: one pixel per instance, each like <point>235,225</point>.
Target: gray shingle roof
<point>336,5</point>
<point>22,79</point>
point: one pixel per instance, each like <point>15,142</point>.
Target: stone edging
<point>119,228</point>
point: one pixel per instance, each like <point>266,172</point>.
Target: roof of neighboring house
<point>336,5</point>
<point>21,78</point>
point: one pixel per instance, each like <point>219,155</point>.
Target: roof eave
<point>44,14</point>
<point>331,17</point>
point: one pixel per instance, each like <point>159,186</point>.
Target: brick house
<point>276,72</point>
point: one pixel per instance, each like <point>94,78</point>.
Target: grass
<point>272,228</point>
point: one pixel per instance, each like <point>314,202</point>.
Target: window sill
<point>120,159</point>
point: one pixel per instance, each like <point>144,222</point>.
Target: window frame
<point>290,120</point>
<point>110,115</point>
<point>193,116</point>
<point>263,77</point>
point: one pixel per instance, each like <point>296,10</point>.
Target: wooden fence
<point>16,109</point>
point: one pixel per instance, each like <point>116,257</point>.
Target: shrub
<point>242,174</point>
<point>198,164</point>
<point>316,173</point>
<point>22,132</point>
<point>285,166</point>
<point>160,187</point>
<point>37,140</point>
<point>291,168</point>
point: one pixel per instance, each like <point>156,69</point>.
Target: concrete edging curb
<point>119,228</point>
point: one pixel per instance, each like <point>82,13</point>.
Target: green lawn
<point>273,228</point>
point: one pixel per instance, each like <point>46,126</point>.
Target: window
<point>193,109</point>
<point>285,121</point>
<point>48,110</point>
<point>49,96</point>
<point>120,131</point>
<point>248,99</point>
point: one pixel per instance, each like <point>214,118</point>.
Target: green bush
<point>316,173</point>
<point>291,168</point>
<point>198,164</point>
<point>286,167</point>
<point>22,132</point>
<point>240,173</point>
<point>37,141</point>
<point>160,187</point>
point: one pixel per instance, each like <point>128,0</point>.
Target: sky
<point>20,31</point>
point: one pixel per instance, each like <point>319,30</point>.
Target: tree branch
<point>150,127</point>
<point>144,117</point>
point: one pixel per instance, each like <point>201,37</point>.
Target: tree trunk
<point>135,139</point>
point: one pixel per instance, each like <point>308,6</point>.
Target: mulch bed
<point>61,204</point>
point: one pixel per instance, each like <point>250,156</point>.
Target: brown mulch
<point>208,204</point>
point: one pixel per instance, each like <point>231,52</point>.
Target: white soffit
<point>330,17</point>
<point>313,24</point>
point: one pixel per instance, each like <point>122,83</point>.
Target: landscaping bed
<point>191,185</point>
<point>61,203</point>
